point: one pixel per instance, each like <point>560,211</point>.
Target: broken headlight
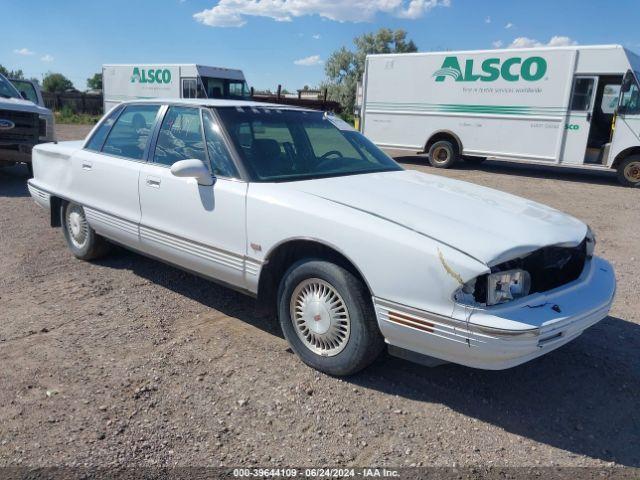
<point>508,285</point>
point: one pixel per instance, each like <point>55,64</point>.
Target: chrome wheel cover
<point>320,317</point>
<point>77,226</point>
<point>632,172</point>
<point>440,155</point>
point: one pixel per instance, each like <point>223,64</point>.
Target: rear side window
<point>99,136</point>
<point>129,136</point>
<point>180,137</point>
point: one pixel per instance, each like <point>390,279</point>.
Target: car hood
<point>22,106</point>
<point>486,224</point>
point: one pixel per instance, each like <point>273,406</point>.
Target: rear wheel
<point>82,240</point>
<point>629,171</point>
<point>327,317</point>
<point>443,154</point>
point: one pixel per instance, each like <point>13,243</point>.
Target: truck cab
<point>23,124</point>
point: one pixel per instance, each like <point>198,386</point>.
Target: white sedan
<point>295,207</point>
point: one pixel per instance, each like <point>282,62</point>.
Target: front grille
<point>549,267</point>
<point>26,128</point>
<point>42,127</point>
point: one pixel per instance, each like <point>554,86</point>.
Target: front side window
<point>582,93</point>
<point>129,135</point>
<point>97,139</point>
<point>180,137</point>
<point>221,162</point>
<point>7,90</point>
<point>27,88</point>
<point>286,145</point>
<point>630,100</point>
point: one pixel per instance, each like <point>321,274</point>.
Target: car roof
<point>215,102</point>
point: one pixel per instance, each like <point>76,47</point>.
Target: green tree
<point>95,82</point>
<point>56,83</point>
<point>11,73</point>
<point>344,68</point>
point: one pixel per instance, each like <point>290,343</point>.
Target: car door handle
<point>153,182</point>
<point>87,165</point>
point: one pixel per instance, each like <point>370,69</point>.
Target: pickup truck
<point>23,124</point>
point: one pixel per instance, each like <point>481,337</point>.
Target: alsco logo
<point>153,75</point>
<point>511,70</point>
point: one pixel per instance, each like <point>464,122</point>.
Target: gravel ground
<point>129,361</point>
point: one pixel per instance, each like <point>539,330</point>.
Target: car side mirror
<point>193,168</point>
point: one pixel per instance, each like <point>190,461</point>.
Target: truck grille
<point>549,267</point>
<point>27,127</point>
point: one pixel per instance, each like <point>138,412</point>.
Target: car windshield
<point>287,145</point>
<point>7,90</point>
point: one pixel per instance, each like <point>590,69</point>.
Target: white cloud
<point>497,44</point>
<point>555,41</point>
<point>234,13</point>
<point>487,20</point>
<point>23,51</point>
<point>316,36</point>
<point>47,58</point>
<point>309,61</point>
<point>509,25</point>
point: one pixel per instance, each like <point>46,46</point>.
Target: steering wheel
<point>331,152</point>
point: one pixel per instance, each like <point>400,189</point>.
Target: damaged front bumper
<point>506,335</point>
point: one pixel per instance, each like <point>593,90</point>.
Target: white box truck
<point>565,106</point>
<point>160,80</point>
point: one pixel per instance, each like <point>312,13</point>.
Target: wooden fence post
<point>279,90</point>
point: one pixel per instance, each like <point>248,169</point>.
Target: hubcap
<point>632,172</point>
<point>441,155</point>
<point>320,317</point>
<point>77,226</point>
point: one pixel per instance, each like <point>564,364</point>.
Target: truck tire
<point>82,240</point>
<point>327,316</point>
<point>443,154</point>
<point>629,171</point>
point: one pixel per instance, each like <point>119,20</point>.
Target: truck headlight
<point>591,242</point>
<point>508,285</point>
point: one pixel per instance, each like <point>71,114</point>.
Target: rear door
<point>579,119</point>
<point>200,228</point>
<point>106,171</point>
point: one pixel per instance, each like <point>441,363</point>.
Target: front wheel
<point>443,154</point>
<point>629,171</point>
<point>82,240</point>
<point>327,316</point>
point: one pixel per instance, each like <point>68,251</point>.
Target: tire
<point>338,343</point>
<point>473,160</point>
<point>443,154</point>
<point>82,240</point>
<point>629,171</point>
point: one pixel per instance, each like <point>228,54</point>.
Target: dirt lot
<point>129,361</point>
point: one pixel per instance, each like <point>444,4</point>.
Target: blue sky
<point>284,41</point>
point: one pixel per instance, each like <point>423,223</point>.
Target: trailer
<point>161,80</point>
<point>565,106</point>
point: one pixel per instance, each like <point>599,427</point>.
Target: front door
<point>579,120</point>
<point>200,228</point>
<point>626,132</point>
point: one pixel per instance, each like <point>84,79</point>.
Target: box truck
<point>564,106</point>
<point>159,80</point>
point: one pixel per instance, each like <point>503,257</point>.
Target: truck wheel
<point>327,317</point>
<point>443,154</point>
<point>629,171</point>
<point>82,240</point>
